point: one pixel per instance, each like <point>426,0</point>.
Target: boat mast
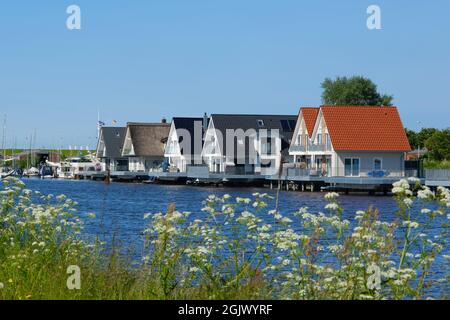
<point>3,140</point>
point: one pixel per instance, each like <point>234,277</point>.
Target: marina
<point>320,149</point>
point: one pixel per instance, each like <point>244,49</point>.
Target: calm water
<point>119,207</point>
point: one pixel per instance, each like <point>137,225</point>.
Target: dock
<point>201,176</point>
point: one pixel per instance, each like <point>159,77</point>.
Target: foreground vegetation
<point>432,164</point>
<point>232,249</point>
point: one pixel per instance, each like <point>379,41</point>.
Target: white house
<point>247,144</point>
<point>349,141</point>
<point>144,146</point>
<point>109,149</point>
<point>185,143</point>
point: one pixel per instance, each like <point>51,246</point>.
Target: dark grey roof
<point>284,123</point>
<point>113,138</point>
<point>189,124</point>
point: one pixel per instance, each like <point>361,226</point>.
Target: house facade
<point>349,141</point>
<point>185,143</point>
<point>109,149</point>
<point>247,144</point>
<point>144,146</point>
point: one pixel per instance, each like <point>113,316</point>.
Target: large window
<point>351,167</point>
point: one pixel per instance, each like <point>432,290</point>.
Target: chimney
<point>163,120</point>
<point>205,122</point>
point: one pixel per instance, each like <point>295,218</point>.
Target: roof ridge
<point>355,106</point>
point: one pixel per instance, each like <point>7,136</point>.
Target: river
<point>120,207</point>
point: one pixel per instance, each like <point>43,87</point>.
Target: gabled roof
<point>148,138</point>
<point>188,124</point>
<point>310,116</point>
<point>365,128</point>
<point>113,138</point>
<point>285,124</point>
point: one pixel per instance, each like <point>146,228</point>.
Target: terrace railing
<point>437,174</point>
<point>298,148</point>
<point>341,171</point>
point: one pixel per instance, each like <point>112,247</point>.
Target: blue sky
<point>142,60</point>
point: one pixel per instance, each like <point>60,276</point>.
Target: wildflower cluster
<point>241,244</point>
<point>34,230</point>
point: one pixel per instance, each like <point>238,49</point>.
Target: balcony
<point>297,148</point>
<point>318,147</point>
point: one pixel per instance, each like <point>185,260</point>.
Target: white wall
<point>393,162</point>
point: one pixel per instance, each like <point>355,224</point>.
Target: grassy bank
<point>232,249</point>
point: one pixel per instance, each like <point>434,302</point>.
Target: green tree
<point>356,90</point>
<point>424,135</point>
<point>438,145</point>
<point>412,138</point>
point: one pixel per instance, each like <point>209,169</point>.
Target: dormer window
<point>319,138</point>
<point>299,139</point>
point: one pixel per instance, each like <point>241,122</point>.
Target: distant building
<point>415,154</point>
<point>35,157</point>
<point>144,146</point>
<point>349,141</point>
<point>247,144</point>
<point>109,149</point>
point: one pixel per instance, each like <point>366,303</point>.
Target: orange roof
<point>365,128</point>
<point>310,116</point>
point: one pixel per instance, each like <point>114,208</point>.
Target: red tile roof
<point>310,116</point>
<point>365,128</point>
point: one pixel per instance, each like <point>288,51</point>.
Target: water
<point>120,207</point>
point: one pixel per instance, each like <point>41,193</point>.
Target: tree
<point>412,138</point>
<point>354,91</point>
<point>424,135</point>
<point>438,145</point>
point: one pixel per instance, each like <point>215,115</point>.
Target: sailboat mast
<point>3,140</point>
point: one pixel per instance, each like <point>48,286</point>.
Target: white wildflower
<point>408,202</point>
<point>332,206</point>
<point>331,196</point>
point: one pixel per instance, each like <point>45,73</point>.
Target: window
<point>377,164</point>
<point>351,167</point>
<point>299,139</point>
<point>266,147</point>
<point>327,141</point>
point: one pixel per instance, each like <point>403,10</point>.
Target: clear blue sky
<point>142,60</point>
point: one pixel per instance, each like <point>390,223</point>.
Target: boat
<point>74,167</point>
<point>6,173</point>
<point>46,172</point>
<point>32,172</point>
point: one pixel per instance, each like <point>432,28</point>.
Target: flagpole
<point>98,123</point>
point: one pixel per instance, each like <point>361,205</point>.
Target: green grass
<point>65,153</point>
